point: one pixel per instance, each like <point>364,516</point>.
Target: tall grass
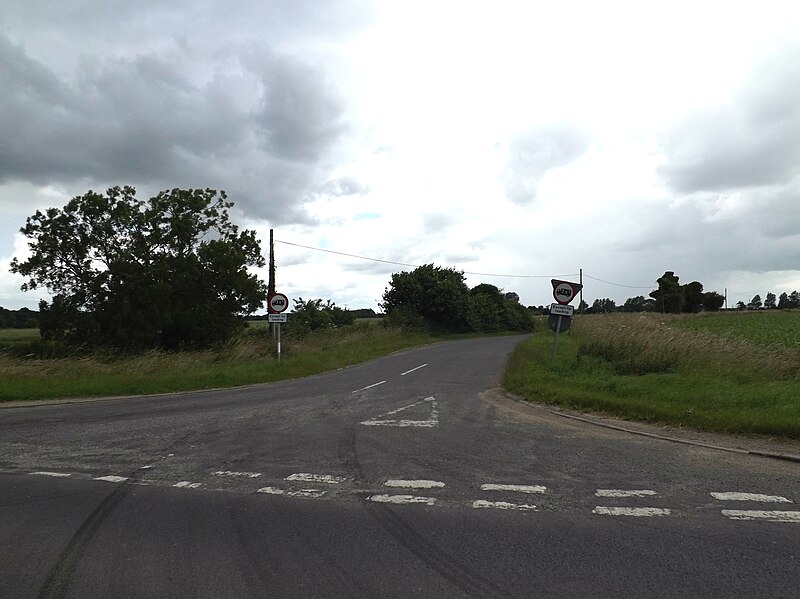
<point>658,343</point>
<point>249,359</point>
<point>653,368</point>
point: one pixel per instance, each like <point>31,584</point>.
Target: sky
<point>517,141</point>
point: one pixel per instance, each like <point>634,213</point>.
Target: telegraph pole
<point>271,282</point>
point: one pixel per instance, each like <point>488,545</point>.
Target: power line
<point>466,272</point>
<point>618,284</point>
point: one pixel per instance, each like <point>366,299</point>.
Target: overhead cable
<point>466,272</point>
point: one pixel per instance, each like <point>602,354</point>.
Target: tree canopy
<point>439,298</point>
<point>130,273</point>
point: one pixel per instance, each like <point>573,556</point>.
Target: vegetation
<point>249,359</point>
<point>438,299</point>
<point>710,372</point>
<point>135,274</point>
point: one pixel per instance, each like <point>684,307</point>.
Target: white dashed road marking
<point>413,369</point>
<point>328,479</point>
<point>237,474</point>
<point>502,505</point>
<point>314,493</point>
<point>624,493</point>
<point>414,484</point>
<point>637,512</point>
<point>185,484</point>
<point>112,479</point>
<point>401,499</point>
<point>733,496</point>
<point>54,474</point>
<point>514,488</point>
<point>769,516</point>
<point>369,386</point>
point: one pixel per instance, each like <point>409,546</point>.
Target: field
<point>248,360</point>
<point>722,372</point>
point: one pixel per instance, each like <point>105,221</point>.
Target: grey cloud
<point>533,153</point>
<point>140,120</point>
<point>753,141</point>
<point>297,118</point>
<point>754,230</point>
<point>345,186</point>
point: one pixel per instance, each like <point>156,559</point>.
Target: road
<point>409,476</point>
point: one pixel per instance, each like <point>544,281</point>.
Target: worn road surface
<point>409,476</point>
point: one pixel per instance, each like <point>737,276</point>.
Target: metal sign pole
<point>555,340</point>
<point>278,326</point>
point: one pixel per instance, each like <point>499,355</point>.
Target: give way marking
<point>389,418</point>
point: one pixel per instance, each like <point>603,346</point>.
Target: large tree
<point>131,273</point>
<point>669,295</point>
<point>438,295</point>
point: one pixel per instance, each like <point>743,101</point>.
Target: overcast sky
<point>506,138</point>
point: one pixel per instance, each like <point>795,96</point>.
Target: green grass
<point>17,336</point>
<point>249,360</point>
<point>667,370</point>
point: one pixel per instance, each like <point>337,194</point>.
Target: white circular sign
<point>278,303</point>
<point>564,292</point>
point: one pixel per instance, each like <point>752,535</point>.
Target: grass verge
<point>656,369</point>
<point>248,360</point>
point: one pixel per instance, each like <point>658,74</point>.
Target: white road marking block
<point>313,493</point>
<point>401,499</point>
<point>112,479</point>
<point>369,386</point>
<point>770,516</point>
<point>514,488</point>
<point>625,493</point>
<point>54,474</point>
<point>412,370</point>
<point>237,474</point>
<point>636,512</point>
<point>429,423</point>
<point>414,484</point>
<point>328,479</point>
<point>733,496</point>
<point>185,484</point>
<point>502,505</point>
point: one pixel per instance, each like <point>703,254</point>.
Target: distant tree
<point>583,306</point>
<point>512,297</point>
<point>603,306</point>
<point>131,273</point>
<point>713,301</point>
<point>794,299</point>
<point>755,303</point>
<point>439,296</point>
<point>692,296</point>
<point>783,301</point>
<point>638,304</point>
<point>669,295</point>
<point>310,315</point>
<point>740,306</point>
<point>769,301</point>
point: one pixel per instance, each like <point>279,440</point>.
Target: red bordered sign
<point>565,291</point>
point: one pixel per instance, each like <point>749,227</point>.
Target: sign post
<point>560,313</point>
<point>276,305</point>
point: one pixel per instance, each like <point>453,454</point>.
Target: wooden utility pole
<point>271,283</point>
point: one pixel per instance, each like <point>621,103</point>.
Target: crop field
<point>13,336</point>
<point>765,328</point>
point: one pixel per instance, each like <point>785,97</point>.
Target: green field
<point>711,372</point>
<point>767,328</point>
<point>15,336</point>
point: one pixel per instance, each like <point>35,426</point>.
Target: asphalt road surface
<point>409,476</point>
